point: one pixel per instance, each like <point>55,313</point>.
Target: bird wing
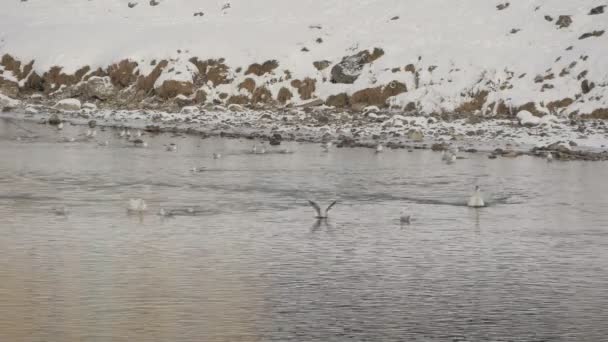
<point>316,206</point>
<point>330,206</point>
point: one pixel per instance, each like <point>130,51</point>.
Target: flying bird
<point>318,209</point>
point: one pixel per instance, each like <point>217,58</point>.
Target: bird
<point>69,139</point>
<point>122,133</point>
<point>326,146</point>
<point>254,149</point>
<point>103,143</point>
<point>318,209</point>
<point>476,200</point>
<point>137,205</point>
<point>60,126</point>
<point>138,133</point>
<point>379,148</point>
<point>404,219</point>
<point>128,133</point>
<point>172,147</point>
<point>217,155</point>
<point>263,150</point>
<point>549,157</point>
<point>90,133</point>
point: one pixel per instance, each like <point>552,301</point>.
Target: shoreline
<point>566,139</point>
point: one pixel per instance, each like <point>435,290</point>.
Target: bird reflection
<point>321,223</point>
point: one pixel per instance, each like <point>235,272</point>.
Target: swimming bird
<point>217,155</point>
<point>137,205</point>
<point>60,126</point>
<point>549,157</point>
<point>165,213</point>
<point>318,209</point>
<point>379,148</point>
<point>326,146</point>
<point>476,200</point>
<point>172,147</point>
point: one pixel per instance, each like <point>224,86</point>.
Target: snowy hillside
<point>432,56</point>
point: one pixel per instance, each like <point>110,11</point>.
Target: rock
<point>563,21</point>
<point>188,110</point>
<point>439,147</point>
<point>597,10</point>
<point>415,135</point>
<point>321,65</point>
<point>349,69</point>
<point>527,119</point>
<point>275,139</point>
<point>54,120</point>
<point>89,106</point>
<point>339,101</point>
<point>100,88</point>
<point>8,88</point>
<point>6,103</point>
<point>68,105</point>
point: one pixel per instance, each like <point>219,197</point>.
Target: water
<point>252,265</point>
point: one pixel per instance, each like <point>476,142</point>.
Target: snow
<point>7,102</point>
<point>68,105</point>
<point>468,42</point>
<point>527,119</point>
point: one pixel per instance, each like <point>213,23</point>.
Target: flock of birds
<point>139,206</point>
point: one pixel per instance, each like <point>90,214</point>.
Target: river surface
<point>247,261</point>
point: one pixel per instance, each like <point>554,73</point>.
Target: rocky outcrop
<point>305,88</point>
<point>99,88</point>
<point>284,95</point>
<point>349,69</point>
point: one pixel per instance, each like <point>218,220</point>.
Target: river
<point>247,261</point>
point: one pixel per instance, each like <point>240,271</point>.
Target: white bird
<point>254,149</point>
<point>138,133</point>
<point>91,133</point>
<point>165,213</point>
<point>404,219</point>
<point>326,146</point>
<point>171,147</point>
<point>263,150</point>
<point>217,155</point>
<point>137,205</point>
<point>122,133</point>
<point>476,200</point>
<point>318,209</point>
<point>379,148</point>
<point>104,143</point>
<point>69,139</point>
<point>549,157</point>
<point>60,126</point>
<point>128,133</point>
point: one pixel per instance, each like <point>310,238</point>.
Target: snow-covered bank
<point>582,139</point>
<point>494,58</point>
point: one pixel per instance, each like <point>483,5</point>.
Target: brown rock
<point>123,73</point>
<point>305,88</point>
<point>563,21</point>
<point>171,88</point>
<point>321,65</point>
<point>476,103</point>
<point>146,83</point>
<point>284,95</point>
<point>261,95</point>
<point>238,99</point>
<point>339,100</point>
<point>377,96</point>
<point>261,69</point>
<point>248,84</point>
<point>555,105</point>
